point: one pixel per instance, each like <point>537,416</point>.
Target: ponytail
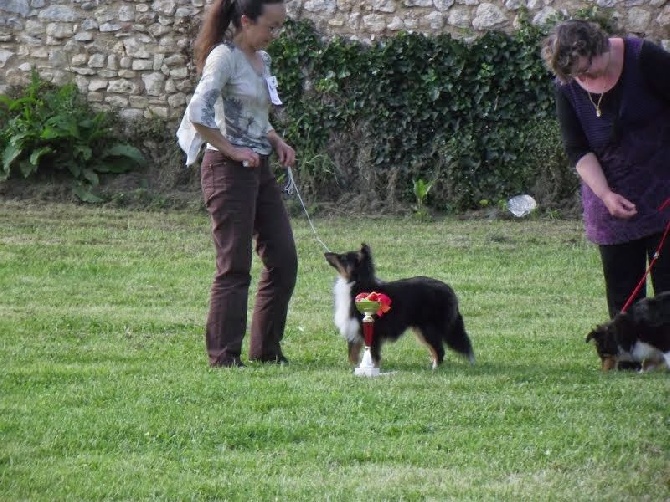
<point>217,23</point>
<point>214,29</point>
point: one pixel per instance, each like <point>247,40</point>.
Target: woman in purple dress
<point>613,106</point>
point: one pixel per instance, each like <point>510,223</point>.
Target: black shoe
<point>280,359</point>
<point>228,362</point>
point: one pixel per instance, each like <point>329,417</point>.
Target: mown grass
<point>105,392</point>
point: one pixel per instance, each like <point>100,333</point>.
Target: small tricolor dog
<point>426,305</point>
<point>640,335</point>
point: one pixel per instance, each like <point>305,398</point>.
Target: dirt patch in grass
<point>165,183</point>
<point>171,187</point>
<point>145,188</point>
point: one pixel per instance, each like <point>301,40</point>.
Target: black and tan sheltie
<point>639,335</point>
<point>426,305</point>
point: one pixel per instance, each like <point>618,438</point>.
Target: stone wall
<point>134,55</point>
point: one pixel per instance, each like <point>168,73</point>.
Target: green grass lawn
<point>105,392</point>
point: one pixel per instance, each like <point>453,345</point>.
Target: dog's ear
<point>364,255</point>
<point>596,334</point>
<point>331,258</point>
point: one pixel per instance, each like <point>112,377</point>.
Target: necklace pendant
<point>598,113</point>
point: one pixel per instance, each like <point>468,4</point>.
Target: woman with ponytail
<point>229,111</point>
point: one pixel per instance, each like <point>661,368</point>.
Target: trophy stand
<point>368,308</point>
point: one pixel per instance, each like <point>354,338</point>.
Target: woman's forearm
<point>591,173</point>
<point>273,138</point>
<point>216,139</point>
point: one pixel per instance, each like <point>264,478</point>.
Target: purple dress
<point>632,142</point>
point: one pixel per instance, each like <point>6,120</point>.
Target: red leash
<point>651,264</point>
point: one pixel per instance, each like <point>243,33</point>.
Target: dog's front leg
<point>355,352</point>
<point>376,352</point>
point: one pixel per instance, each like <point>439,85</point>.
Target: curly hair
<point>569,41</point>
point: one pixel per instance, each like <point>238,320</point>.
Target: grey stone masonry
<point>133,55</point>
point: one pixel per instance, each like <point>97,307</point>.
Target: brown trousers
<point>245,204</point>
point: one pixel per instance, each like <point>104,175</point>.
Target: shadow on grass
<point>576,371</point>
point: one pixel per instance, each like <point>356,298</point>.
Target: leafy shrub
<point>43,127</point>
<point>461,114</point>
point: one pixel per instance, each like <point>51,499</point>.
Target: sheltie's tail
<point>458,340</point>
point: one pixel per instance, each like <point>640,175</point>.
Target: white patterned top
<point>232,97</point>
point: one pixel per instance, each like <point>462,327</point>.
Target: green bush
<point>464,115</point>
<point>44,127</point>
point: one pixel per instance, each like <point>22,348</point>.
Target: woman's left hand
<point>285,153</point>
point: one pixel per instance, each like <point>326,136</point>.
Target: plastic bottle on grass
<point>521,205</point>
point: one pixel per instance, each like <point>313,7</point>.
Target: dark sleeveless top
<point>632,142</point>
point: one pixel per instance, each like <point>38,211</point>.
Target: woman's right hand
<point>246,156</point>
<point>619,206</point>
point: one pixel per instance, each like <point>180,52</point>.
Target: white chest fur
<point>348,326</point>
<point>642,351</point>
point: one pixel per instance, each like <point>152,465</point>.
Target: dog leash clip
<point>290,188</point>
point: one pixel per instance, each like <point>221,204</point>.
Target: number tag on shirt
<point>272,89</point>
